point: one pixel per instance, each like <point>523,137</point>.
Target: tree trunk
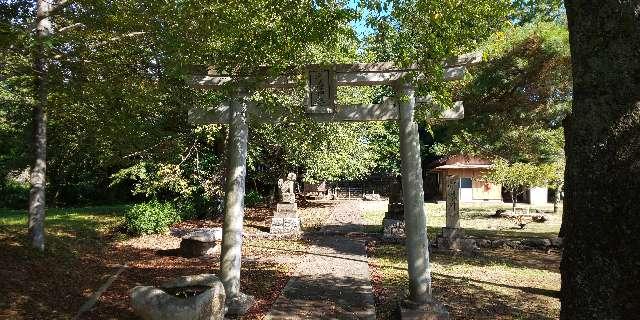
<point>601,225</point>
<point>38,171</point>
<point>513,201</point>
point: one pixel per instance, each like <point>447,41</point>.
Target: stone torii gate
<point>320,105</point>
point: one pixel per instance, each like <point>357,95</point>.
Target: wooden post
<point>413,194</point>
<point>231,250</point>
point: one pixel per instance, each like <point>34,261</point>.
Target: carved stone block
<point>288,198</point>
<point>287,209</point>
<point>285,225</point>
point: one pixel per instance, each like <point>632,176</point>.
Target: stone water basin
<point>197,297</point>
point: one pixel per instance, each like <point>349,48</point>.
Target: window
<point>466,183</point>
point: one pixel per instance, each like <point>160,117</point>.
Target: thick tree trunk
<point>38,171</point>
<point>601,222</point>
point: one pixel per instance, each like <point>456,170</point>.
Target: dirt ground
<point>86,246</point>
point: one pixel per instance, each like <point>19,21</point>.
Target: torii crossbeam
<point>320,105</point>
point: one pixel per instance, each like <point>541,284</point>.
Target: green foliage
<point>151,217</point>
<point>252,199</point>
<point>14,194</point>
<point>519,176</point>
<point>516,101</point>
<point>321,151</point>
<point>118,102</point>
<point>429,31</point>
<point>118,99</point>
<point>526,11</point>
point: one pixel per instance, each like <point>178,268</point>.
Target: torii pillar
<point>231,251</point>
<point>413,194</point>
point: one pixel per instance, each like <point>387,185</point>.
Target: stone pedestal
<point>393,225</point>
<point>452,236</point>
<point>288,198</point>
<point>428,311</point>
<point>285,220</point>
<point>451,239</point>
<point>453,202</point>
<point>393,229</point>
<point>201,242</point>
<point>239,304</point>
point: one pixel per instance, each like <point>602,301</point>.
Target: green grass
<point>495,284</point>
<point>73,264</point>
<point>498,284</point>
<point>474,218</point>
<point>65,229</point>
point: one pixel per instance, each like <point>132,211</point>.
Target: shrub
<point>15,195</point>
<point>252,199</point>
<point>151,217</point>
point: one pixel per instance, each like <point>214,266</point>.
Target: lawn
<point>55,283</point>
<point>498,284</point>
<point>86,246</point>
<point>476,220</point>
<point>494,284</point>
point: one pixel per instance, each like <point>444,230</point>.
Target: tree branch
<point>75,25</point>
<point>126,35</point>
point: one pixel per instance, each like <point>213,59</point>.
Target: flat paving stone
<point>332,280</point>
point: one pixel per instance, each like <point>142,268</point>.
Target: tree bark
<point>38,170</point>
<point>601,224</point>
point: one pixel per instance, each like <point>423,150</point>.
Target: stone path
<point>332,280</point>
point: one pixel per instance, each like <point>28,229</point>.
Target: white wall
<point>538,195</point>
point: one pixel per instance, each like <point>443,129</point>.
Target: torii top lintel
<point>357,74</point>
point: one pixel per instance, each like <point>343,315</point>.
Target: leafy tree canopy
<point>515,102</point>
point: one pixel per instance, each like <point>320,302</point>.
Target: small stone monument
<point>452,236</point>
<point>393,222</point>
<point>286,220</point>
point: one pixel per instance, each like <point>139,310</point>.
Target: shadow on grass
<point>53,284</point>
<point>530,290</point>
<point>506,233</point>
<point>465,297</point>
<point>265,281</point>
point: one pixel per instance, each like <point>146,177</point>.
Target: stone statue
<point>286,220</point>
<point>287,188</point>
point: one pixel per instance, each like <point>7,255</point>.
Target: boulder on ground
<point>537,243</point>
